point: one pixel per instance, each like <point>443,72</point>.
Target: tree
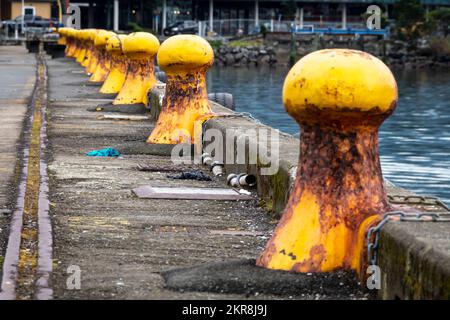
<point>288,9</point>
<point>441,18</point>
<point>410,18</point>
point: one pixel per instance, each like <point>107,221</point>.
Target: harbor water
<point>414,141</point>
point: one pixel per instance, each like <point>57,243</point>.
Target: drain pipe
<point>216,166</point>
<point>241,180</point>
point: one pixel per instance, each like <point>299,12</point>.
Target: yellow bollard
<point>185,59</point>
<point>89,37</point>
<point>339,97</point>
<point>102,57</point>
<point>62,35</point>
<point>72,48</point>
<point>118,70</point>
<point>92,60</point>
<point>79,41</point>
<point>140,49</point>
<point>100,65</point>
<point>81,54</point>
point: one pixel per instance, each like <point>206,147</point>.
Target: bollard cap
<point>140,45</point>
<point>92,34</point>
<point>102,38</point>
<point>114,43</point>
<point>185,52</point>
<point>83,35</point>
<point>71,33</point>
<point>339,83</point>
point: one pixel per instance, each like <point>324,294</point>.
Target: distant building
<point>220,14</point>
<point>159,14</point>
<point>11,9</point>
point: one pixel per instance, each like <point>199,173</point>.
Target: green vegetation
<point>288,9</point>
<point>134,27</point>
<point>215,44</point>
<point>410,19</point>
<point>440,20</point>
<point>246,43</point>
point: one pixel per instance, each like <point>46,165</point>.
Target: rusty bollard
<point>89,37</point>
<point>82,44</point>
<point>103,59</point>
<point>140,48</point>
<point>72,43</point>
<point>92,52</point>
<point>78,44</point>
<point>185,59</point>
<point>339,97</point>
<point>118,70</point>
<point>62,40</point>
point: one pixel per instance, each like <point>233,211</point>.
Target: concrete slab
<point>239,276</point>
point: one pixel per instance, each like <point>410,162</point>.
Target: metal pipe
<point>116,16</point>
<point>206,159</point>
<point>164,15</point>
<point>232,180</point>
<point>211,16</point>
<point>241,180</point>
<point>256,13</point>
<point>217,168</point>
<point>245,179</point>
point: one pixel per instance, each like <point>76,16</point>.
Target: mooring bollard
<point>62,36</point>
<point>185,59</point>
<point>140,48</point>
<point>81,37</point>
<point>89,36</point>
<point>117,73</point>
<point>78,43</point>
<point>93,55</point>
<point>340,98</point>
<point>103,58</point>
<point>64,39</point>
<point>72,46</point>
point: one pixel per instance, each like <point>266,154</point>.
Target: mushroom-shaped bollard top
<point>185,53</point>
<point>118,70</point>
<point>185,59</point>
<point>140,48</point>
<point>340,82</point>
<point>140,45</point>
<point>339,97</point>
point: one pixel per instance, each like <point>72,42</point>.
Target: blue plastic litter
<point>108,152</point>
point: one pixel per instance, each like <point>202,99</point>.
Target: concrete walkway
<point>17,78</point>
<point>122,243</point>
